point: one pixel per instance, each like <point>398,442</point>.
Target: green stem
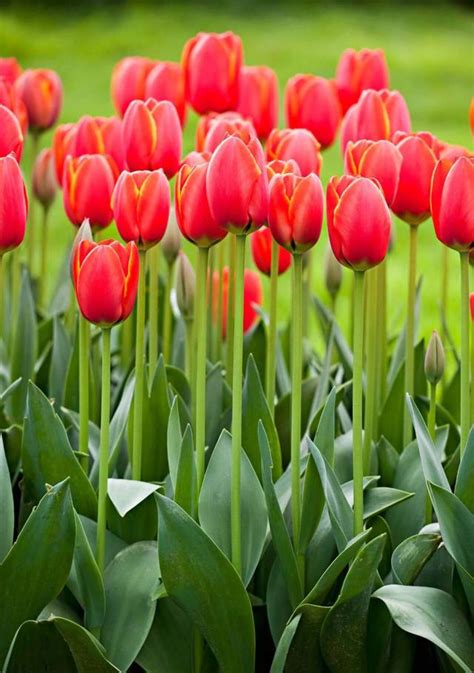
<point>139,374</point>
<point>307,285</point>
<point>44,258</point>
<point>167,315</point>
<point>296,382</point>
<point>201,342</point>
<point>218,325</point>
<point>432,431</point>
<point>210,301</point>
<point>127,339</point>
<point>272,330</point>
<point>382,331</point>
<point>189,336</point>
<point>237,363</point>
<point>16,284</point>
<point>358,355</point>
<point>152,257</point>
<point>444,286</point>
<point>351,315</point>
<point>103,450</point>
<point>32,208</point>
<point>410,335</point>
<point>371,366</point>
<point>230,307</point>
<point>84,391</point>
<point>2,296</point>
<point>465,403</point>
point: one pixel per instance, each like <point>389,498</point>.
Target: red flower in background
<point>11,136</point>
<point>44,178</point>
<point>279,167</point>
<point>10,99</point>
<point>194,158</point>
<point>452,203</point>
<point>360,70</point>
<point>378,159</point>
<point>62,146</point>
<point>205,122</point>
<point>42,93</point>
<point>99,135</point>
<point>297,144</point>
<point>253,297</point>
<point>13,204</point>
<point>221,128</point>
<point>258,98</point>
<point>261,246</point>
<point>10,69</point>
<point>88,183</point>
<point>129,81</point>
<point>166,82</point>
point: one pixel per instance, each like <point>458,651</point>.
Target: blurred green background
<point>430,51</point>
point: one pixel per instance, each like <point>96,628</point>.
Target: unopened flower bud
<point>84,233</point>
<point>332,272</point>
<point>171,241</point>
<point>45,185</point>
<point>185,286</point>
<point>434,359</point>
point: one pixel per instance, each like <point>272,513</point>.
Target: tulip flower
<point>221,128</point>
<point>42,93</point>
<point>128,82</point>
<point>278,167</point>
<point>206,121</point>
<point>297,144</point>
<point>88,183</point>
<point>195,158</point>
<point>358,71</point>
<point>99,135</point>
<point>62,146</point>
<point>166,82</point>
<point>258,98</point>
<point>451,152</point>
<point>261,246</point>
<point>10,69</point>
<point>378,159</point>
<point>253,297</point>
<point>452,190</point>
<point>376,116</point>
<point>10,99</point>
<point>211,63</point>
<point>152,136</point>
<point>11,136</point>
<point>312,103</point>
<point>13,205</point>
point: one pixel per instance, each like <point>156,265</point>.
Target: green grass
<point>429,51</point>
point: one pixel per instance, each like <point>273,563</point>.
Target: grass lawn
<point>429,50</point>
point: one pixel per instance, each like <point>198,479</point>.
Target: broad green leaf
<point>156,409</point>
<point>193,569</point>
<point>388,459</point>
<point>381,498</point>
<point>126,494</point>
<point>71,384</point>
<point>130,581</point>
<point>278,605</point>
<point>255,344</point>
<point>179,383</point>
<point>312,505</point>
<point>174,439</point>
<point>186,480</point>
<point>215,506</point>
<point>280,536</point>
<point>349,614</point>
<point>279,660</point>
<point>283,413</point>
<point>432,614</point>
<point>38,562</point>
<point>464,482</point>
<point>60,357</point>
<point>411,555</point>
<point>324,437</point>
<point>321,391</point>
<point>48,458</point>
<point>7,514</point>
<point>113,544</point>
<point>304,653</point>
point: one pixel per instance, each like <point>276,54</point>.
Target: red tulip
<point>237,185</point>
<point>222,128</point>
<point>471,115</point>
<point>206,121</point>
<point>129,81</point>
<point>11,137</point>
<point>452,152</point>
<point>166,82</point>
<point>105,277</point>
<point>378,159</point>
<point>42,93</point>
<point>141,206</point>
<point>358,221</point>
<point>295,211</point>
<point>10,69</point>
<point>99,135</point>
<point>253,296</point>
<point>452,203</point>
<point>360,70</point>
<point>192,207</point>
<point>62,145</point>
<point>258,98</point>
<point>471,305</point>
<point>412,200</point>
<point>88,183</point>
<point>312,103</point>
<point>261,246</point>
<point>376,116</point>
<point>279,167</point>
<point>297,144</point>
<point>194,158</point>
<point>10,99</point>
<point>13,204</point>
<point>152,136</point>
<point>211,64</point>
<point>44,178</point>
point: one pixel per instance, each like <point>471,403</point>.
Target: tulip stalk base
<point>296,383</point>
<point>371,366</point>
<point>358,355</point>
<point>230,307</point>
<point>84,392</point>
<point>103,450</point>
<point>152,257</point>
<point>200,322</point>
<point>272,330</point>
<point>139,374</point>
<point>237,362</point>
<point>465,402</point>
<point>410,335</point>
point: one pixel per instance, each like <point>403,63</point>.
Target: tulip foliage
<point>192,481</point>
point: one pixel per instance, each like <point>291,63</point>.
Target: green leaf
<point>194,569</point>
<point>48,458</point>
<point>174,439</point>
<point>283,413</point>
<point>304,652</point>
<point>7,514</point>
<point>60,357</point>
<point>280,536</point>
<point>156,410</point>
<point>130,581</point>
<point>464,489</point>
<point>411,555</point>
<point>186,479</point>
<point>215,506</point>
<point>38,562</point>
<point>324,437</point>
<point>279,660</point>
<point>377,500</point>
<point>312,506</point>
<point>326,319</point>
<point>349,614</point>
<point>113,544</point>
<point>432,614</point>
<point>388,459</point>
<point>126,494</point>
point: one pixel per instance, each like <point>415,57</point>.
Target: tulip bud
<point>42,93</point>
<point>166,82</point>
<point>297,144</point>
<point>13,204</point>
<point>206,121</point>
<point>332,273</point>
<point>434,359</point>
<point>261,245</point>
<point>84,233</point>
<point>185,287</point>
<point>312,103</point>
<point>44,178</point>
<point>11,137</point>
<point>358,71</point>
<point>253,297</point>
<point>10,69</point>
<point>378,159</point>
<point>258,98</point>
<point>211,64</point>
<point>171,241</point>
<point>452,188</point>
<point>129,81</point>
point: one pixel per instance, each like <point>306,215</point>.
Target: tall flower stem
<point>296,382</point>
<point>371,367</point>
<point>410,335</point>
<point>189,345</point>
<point>358,355</point>
<point>217,349</point>
<point>237,363</point>
<point>84,391</point>
<point>103,449</point>
<point>139,374</point>
<point>32,209</point>
<point>44,257</point>
<point>200,322</point>
<point>444,284</point>
<point>2,297</point>
<point>230,306</point>
<point>211,263</point>
<point>152,257</point>
<point>381,331</point>
<point>167,319</point>
<point>126,341</point>
<point>432,431</point>
<point>465,403</point>
<point>272,330</point>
